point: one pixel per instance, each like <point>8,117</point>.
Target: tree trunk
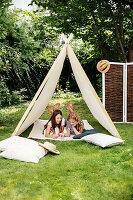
<point>120,38</point>
<point>131,50</point>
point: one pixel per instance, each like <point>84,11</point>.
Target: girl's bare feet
<point>50,109</point>
<point>56,106</point>
<point>70,104</point>
<point>69,108</point>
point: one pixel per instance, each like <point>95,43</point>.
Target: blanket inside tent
<point>37,131</point>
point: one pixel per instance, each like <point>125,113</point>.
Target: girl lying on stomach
<point>55,125</point>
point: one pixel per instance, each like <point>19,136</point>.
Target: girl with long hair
<point>75,126</point>
<point>55,125</point>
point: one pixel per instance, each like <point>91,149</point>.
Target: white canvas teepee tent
<point>46,90</point>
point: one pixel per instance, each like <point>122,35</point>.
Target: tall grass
<point>81,172</point>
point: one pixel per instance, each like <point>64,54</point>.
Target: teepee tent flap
<point>45,94</point>
<point>91,98</point>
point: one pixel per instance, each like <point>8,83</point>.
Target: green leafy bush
<point>18,96</point>
<point>66,94</point>
<point>10,98</point>
<point>5,96</point>
<point>3,116</point>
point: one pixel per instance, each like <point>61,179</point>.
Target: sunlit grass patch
<point>81,171</point>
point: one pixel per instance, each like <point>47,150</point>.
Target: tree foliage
<point>26,52</point>
<point>28,48</point>
<point>105,24</point>
<point>30,41</point>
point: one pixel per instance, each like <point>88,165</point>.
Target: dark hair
<point>53,121</point>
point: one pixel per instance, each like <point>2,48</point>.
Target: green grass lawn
<point>82,171</point>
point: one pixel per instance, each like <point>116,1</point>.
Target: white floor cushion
<point>5,143</point>
<point>102,140</point>
<point>23,149</point>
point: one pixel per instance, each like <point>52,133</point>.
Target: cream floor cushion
<point>102,140</point>
<point>23,149</point>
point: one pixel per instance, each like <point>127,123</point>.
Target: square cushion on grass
<point>5,143</point>
<point>86,132</point>
<point>24,149</point>
<point>102,140</point>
